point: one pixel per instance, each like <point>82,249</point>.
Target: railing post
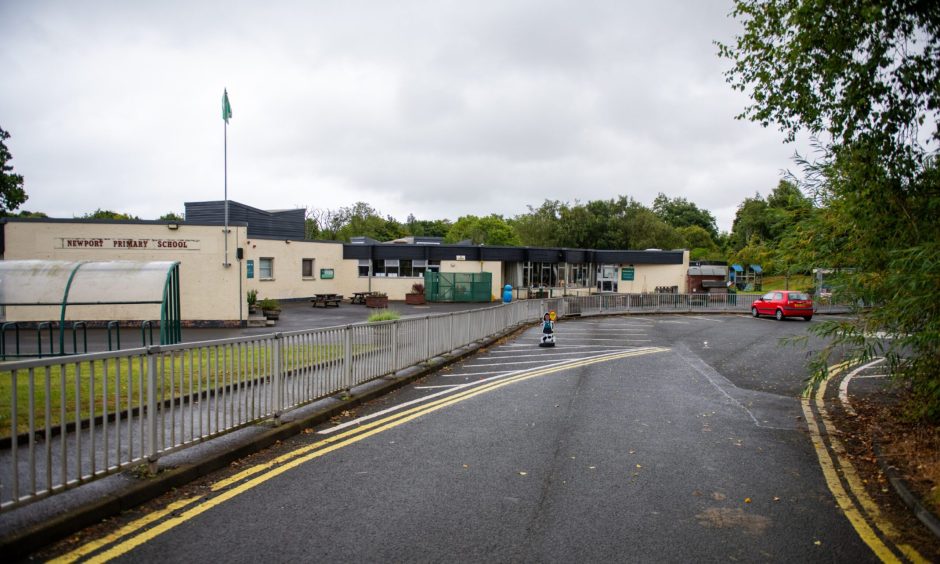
<point>347,359</point>
<point>427,335</point>
<point>276,377</point>
<point>152,353</point>
<point>394,346</point>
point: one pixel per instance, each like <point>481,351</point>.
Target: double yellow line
<point>837,462</point>
<point>155,524</point>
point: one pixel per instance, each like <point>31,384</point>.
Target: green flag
<point>226,107</point>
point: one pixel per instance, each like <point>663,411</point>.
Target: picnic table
<point>326,299</point>
<point>359,297</point>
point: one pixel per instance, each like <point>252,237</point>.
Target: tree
<point>540,227</point>
<point>12,194</point>
<point>700,243</point>
<point>751,222</point>
<point>489,230</point>
<point>679,212</point>
<point>108,214</point>
<point>171,216</point>
<point>863,78</point>
<point>857,71</point>
<point>427,228</point>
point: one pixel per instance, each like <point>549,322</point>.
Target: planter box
<point>415,299</point>
<point>272,313</point>
<point>376,301</point>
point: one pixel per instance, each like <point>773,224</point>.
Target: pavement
<point>641,438</point>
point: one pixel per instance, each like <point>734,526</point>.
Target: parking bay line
<point>247,479</point>
<point>543,355</point>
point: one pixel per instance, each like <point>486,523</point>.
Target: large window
<point>306,269</point>
<point>398,268</point>
<point>539,274</point>
<point>266,268</point>
<point>579,275</point>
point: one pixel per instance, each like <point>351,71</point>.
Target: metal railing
<point>68,420</point>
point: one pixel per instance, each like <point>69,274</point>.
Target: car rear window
<point>794,296</point>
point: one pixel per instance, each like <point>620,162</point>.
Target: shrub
<point>417,288</point>
<point>269,303</point>
<point>387,315</point>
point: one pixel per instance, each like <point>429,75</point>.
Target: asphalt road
<point>661,438</point>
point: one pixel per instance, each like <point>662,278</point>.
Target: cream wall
<point>208,290</point>
<point>648,276</point>
<point>288,282</point>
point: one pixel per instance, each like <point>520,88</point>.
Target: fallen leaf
<point>747,500</point>
<point>776,498</point>
<point>466,466</point>
<point>639,466</point>
<point>521,473</point>
<point>818,543</point>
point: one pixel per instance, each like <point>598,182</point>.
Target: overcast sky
<point>436,108</point>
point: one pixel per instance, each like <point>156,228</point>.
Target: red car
<point>784,303</point>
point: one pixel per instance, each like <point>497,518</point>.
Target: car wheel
<point>808,317</point>
<point>754,312</point>
<point>779,315</point>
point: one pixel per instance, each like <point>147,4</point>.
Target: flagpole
<point>225,159</point>
<point>226,114</point>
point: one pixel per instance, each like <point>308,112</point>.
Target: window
<point>394,268</point>
<point>266,268</point>
<point>405,267</point>
<point>306,270</point>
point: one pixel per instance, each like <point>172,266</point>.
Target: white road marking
<point>706,318</point>
<point>554,353</point>
<point>844,385</point>
<point>462,374</point>
<point>359,420</point>
<point>590,340</point>
<point>442,386</point>
<point>505,363</point>
<point>566,346</point>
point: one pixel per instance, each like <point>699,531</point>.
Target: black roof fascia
<point>638,257</point>
<point>508,254</point>
<point>407,252</point>
<point>451,252</point>
<point>503,254</point>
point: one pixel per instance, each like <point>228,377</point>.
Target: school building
<point>266,251</point>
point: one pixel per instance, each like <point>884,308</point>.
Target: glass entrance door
<point>606,278</point>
